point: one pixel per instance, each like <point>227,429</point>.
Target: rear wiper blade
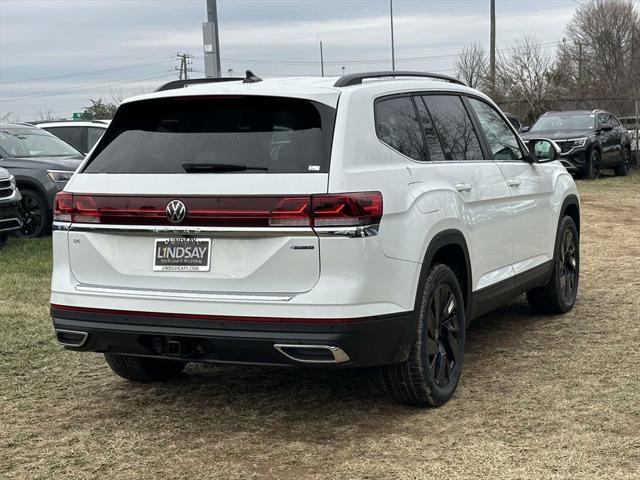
<point>218,167</point>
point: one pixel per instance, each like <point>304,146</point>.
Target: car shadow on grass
<point>311,405</point>
<point>318,392</point>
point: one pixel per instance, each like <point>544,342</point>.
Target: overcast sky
<point>56,54</point>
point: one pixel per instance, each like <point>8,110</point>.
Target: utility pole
<point>211,42</point>
<point>393,47</point>
<point>184,69</point>
<point>321,60</point>
<point>580,68</point>
<point>492,47</point>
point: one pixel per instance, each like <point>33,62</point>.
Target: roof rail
<point>194,81</point>
<point>356,78</point>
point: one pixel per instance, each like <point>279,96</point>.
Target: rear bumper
<point>366,341</point>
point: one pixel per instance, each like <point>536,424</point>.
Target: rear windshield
<point>565,122</point>
<point>263,134</point>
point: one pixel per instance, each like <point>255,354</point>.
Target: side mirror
<point>525,129</point>
<point>606,127</point>
<point>543,150</point>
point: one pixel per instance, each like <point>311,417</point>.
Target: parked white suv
<point>82,135</point>
<point>356,221</point>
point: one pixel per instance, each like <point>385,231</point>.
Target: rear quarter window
<point>281,135</point>
<point>74,136</point>
<point>397,125</point>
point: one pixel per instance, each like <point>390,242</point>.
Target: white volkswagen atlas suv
<point>326,222</point>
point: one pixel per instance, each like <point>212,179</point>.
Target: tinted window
<point>514,121</point>
<point>72,135</point>
<point>613,120</point>
<point>397,125</point>
<point>434,146</point>
<point>570,121</point>
<point>34,142</point>
<point>602,119</point>
<point>503,142</point>
<point>454,127</point>
<point>282,135</point>
<point>93,135</point>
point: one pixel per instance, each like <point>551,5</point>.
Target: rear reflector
<point>56,311</point>
<point>325,210</point>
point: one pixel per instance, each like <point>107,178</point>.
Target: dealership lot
<point>541,397</point>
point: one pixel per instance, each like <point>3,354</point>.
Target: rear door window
<point>263,134</point>
<point>454,127</point>
<point>93,135</point>
<point>74,136</point>
<point>397,125</point>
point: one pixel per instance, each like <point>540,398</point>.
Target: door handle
<point>514,182</point>
<point>463,187</point>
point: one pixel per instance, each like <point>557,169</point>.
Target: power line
<point>86,87</point>
<point>77,74</point>
<point>372,61</point>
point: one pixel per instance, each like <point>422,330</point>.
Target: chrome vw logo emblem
<point>176,211</point>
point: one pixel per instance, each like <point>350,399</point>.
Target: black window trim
<point>486,150</point>
<point>410,95</point>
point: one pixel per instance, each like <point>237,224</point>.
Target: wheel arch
<point>26,183</point>
<point>449,247</point>
<point>570,207</point>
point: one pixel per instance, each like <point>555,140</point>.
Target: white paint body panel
<point>506,231</point>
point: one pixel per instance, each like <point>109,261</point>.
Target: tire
<point>423,379</point>
<point>559,294</point>
<point>37,219</point>
<point>593,165</point>
<point>3,239</point>
<point>144,370</point>
<point>624,168</point>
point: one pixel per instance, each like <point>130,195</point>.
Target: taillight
<point>346,209</point>
<point>63,207</point>
<point>324,210</point>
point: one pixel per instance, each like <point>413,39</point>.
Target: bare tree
<point>46,115</point>
<point>116,95</point>
<point>471,65</point>
<point>603,45</point>
<point>524,74</point>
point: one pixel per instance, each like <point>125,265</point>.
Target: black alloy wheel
<point>593,168</point>
<point>568,267</point>
<point>431,371</point>
<point>443,335</point>
<point>625,166</point>
<point>35,215</point>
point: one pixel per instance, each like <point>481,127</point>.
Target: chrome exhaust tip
<point>312,354</point>
<point>71,338</point>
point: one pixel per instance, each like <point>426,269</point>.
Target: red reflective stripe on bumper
<point>193,316</point>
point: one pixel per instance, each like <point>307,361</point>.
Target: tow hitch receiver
<point>174,348</point>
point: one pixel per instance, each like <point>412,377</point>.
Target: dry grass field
<point>541,396</point>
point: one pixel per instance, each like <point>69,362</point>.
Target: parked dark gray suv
<point>590,140</point>
<point>41,164</point>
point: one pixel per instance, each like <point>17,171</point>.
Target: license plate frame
<point>182,254</point>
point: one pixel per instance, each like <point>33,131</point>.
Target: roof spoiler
<point>194,81</point>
